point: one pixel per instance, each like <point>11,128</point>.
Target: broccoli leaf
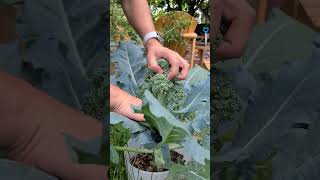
<point>160,119</point>
<point>190,171</point>
<point>130,66</point>
<point>133,126</point>
<point>196,75</point>
<point>114,156</point>
<point>197,97</point>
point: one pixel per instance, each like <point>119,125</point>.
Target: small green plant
<point>119,136</point>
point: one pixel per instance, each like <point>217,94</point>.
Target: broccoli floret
<point>169,93</point>
<point>226,102</point>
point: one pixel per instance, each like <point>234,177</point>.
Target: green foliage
<point>226,105</point>
<point>119,26</point>
<point>170,93</point>
<point>226,102</point>
<point>119,136</point>
<point>190,171</point>
<point>192,7</point>
<point>172,34</point>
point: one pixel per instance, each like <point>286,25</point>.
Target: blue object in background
<point>200,29</point>
<point>205,30</point>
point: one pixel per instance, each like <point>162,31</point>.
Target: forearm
<point>139,16</point>
<point>23,109</point>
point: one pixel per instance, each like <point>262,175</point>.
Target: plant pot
<point>138,174</point>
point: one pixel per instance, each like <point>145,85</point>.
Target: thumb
<point>153,64</point>
<point>136,116</point>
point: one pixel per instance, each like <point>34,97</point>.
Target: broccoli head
<point>169,93</point>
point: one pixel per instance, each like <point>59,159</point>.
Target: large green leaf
<point>130,61</point>
<point>197,98</point>
<point>196,75</point>
<point>160,119</point>
<point>283,119</point>
<point>190,171</point>
<point>281,39</point>
<point>282,98</point>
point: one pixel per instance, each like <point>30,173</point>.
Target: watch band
<point>151,35</point>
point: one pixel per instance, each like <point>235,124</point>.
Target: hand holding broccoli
<point>240,18</point>
<point>155,51</point>
<point>168,92</point>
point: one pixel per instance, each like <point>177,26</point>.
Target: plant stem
<point>141,150</point>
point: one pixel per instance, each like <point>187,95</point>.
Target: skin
<point>143,25</point>
<point>33,124</point>
<point>33,127</point>
<point>121,101</point>
<point>241,17</point>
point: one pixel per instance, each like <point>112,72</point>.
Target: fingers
<point>174,59</point>
<point>176,62</point>
<point>135,101</point>
<point>153,64</point>
<point>185,67</point>
<point>174,68</point>
<point>241,17</point>
<point>125,107</point>
<point>131,114</point>
<point>136,116</point>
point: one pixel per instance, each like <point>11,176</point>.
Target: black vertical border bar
<point>106,122</point>
<point>212,55</point>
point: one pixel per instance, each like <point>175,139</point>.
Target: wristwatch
<point>154,35</point>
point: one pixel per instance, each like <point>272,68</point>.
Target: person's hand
<point>240,18</point>
<point>121,103</point>
<point>155,51</point>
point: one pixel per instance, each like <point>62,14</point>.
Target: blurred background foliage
<point>120,29</point>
